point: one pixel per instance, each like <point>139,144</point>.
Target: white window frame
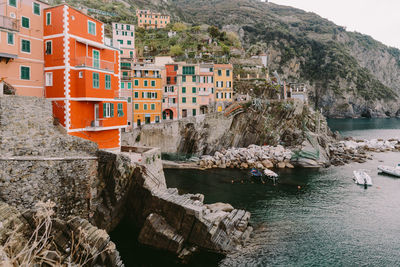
<point>33,9</point>
<point>51,45</point>
<point>20,72</point>
<point>16,4</point>
<point>49,78</point>
<point>48,13</point>
<point>30,46</point>
<point>13,34</point>
<point>28,20</point>
<point>95,30</point>
<point>108,110</point>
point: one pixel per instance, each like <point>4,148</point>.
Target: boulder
<point>281,165</point>
<point>289,165</point>
<point>267,164</point>
<point>244,165</point>
<point>219,207</point>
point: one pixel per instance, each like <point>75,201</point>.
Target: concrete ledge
<point>27,158</point>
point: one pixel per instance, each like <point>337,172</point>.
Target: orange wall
<point>79,26</point>
<point>57,90</point>
<point>56,26</point>
<point>58,111</point>
<point>104,139</point>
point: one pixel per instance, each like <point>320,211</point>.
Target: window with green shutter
<point>146,83</point>
<point>91,27</point>
<point>228,73</point>
<point>10,38</point>
<point>183,79</point>
<point>136,94</point>
<point>136,82</point>
<point>153,83</point>
<point>129,42</point>
<point>120,110</point>
<point>183,90</point>
<point>25,22</point>
<point>153,106</point>
<point>188,70</point>
<point>194,79</point>
<point>219,72</point>
<point>128,27</point>
<point>129,99</point>
<point>193,100</point>
<point>12,3</point>
<point>25,46</point>
<point>48,18</point>
<point>111,110</point>
<point>144,106</point>
<point>108,81</point>
<point>194,112</point>
<point>96,80</point>
<point>36,9</point>
<point>122,85</point>
<point>193,90</point>
<point>136,106</point>
<point>129,85</point>
<point>183,99</point>
<point>25,73</point>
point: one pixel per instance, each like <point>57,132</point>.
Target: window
<point>120,110</point>
<point>108,81</point>
<point>129,85</point>
<point>25,73</point>
<point>153,83</point>
<point>228,73</point>
<point>12,3</point>
<point>108,110</point>
<point>132,34</point>
<point>188,70</point>
<point>219,72</point>
<point>136,94</point>
<point>194,79</point>
<point>144,106</point>
<point>153,106</point>
<point>136,106</point>
<point>121,41</point>
<point>49,48</point>
<point>183,79</point>
<point>25,46</point>
<point>128,27</point>
<point>122,85</point>
<point>129,42</point>
<point>175,67</point>
<point>157,119</point>
<point>25,22</point>
<point>49,78</point>
<point>96,59</point>
<point>131,54</point>
<point>194,112</point>
<point>183,99</point>
<point>228,84</point>
<point>193,90</point>
<point>146,83</point>
<point>48,18</point>
<point>129,99</point>
<point>10,38</point>
<point>183,90</point>
<point>80,74</point>
<point>36,9</point>
<point>96,80</point>
<point>91,27</point>
<point>193,100</point>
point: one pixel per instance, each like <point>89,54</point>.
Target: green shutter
<point>219,72</point>
<point>193,100</point>
<point>136,82</point>
<point>108,81</point>
<point>36,8</point>
<point>10,38</point>
<point>48,18</point>
<point>112,110</point>
<point>26,46</point>
<point>153,83</point>
<point>183,78</point>
<point>136,94</point>
<point>129,85</point>
<point>146,83</point>
<point>183,90</point>
<point>12,3</point>
<point>96,82</point>
<point>193,90</point>
<point>91,28</point>
<point>129,99</point>
<point>136,106</point>
<point>104,110</point>
<point>122,85</point>
<point>25,22</point>
<point>194,112</point>
<point>156,95</point>
<point>183,99</point>
<point>25,73</point>
<point>228,73</point>
<point>194,79</point>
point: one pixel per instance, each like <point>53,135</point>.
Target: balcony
<point>126,78</point>
<point>94,63</point>
<point>9,23</point>
<point>94,125</point>
<point>147,76</point>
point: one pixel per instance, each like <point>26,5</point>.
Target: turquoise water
<point>329,221</point>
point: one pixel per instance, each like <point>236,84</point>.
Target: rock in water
<point>220,207</point>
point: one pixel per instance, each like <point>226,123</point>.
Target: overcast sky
<point>377,18</point>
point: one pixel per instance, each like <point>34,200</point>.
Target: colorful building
<point>151,20</point>
<point>21,45</point>
<point>147,93</point>
<point>223,84</point>
<point>188,77</point>
<point>124,34</point>
<point>83,77</point>
<point>206,88</point>
<point>170,95</point>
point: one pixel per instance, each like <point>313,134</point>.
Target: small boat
<point>362,178</point>
<point>270,173</point>
<point>394,171</point>
<point>255,173</point>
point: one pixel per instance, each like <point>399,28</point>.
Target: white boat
<point>395,171</point>
<point>270,173</point>
<point>362,178</point>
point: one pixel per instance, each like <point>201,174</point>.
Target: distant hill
<point>348,73</point>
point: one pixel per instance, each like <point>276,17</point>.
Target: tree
<point>176,50</point>
<point>214,32</point>
<point>179,27</point>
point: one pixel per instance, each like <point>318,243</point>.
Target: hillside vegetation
<point>348,73</point>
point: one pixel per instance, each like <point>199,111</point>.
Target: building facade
<point>170,95</point>
<point>124,35</point>
<point>206,88</point>
<point>188,77</point>
<point>223,84</point>
<point>82,77</point>
<point>151,20</point>
<point>21,45</point>
<point>147,94</point>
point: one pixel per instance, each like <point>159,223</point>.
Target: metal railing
<point>126,78</point>
<point>9,23</point>
<point>93,63</point>
<point>147,76</point>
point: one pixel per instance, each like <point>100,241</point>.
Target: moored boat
<point>394,171</point>
<point>270,173</point>
<point>362,178</point>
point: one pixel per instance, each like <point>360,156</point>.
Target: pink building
<point>124,34</point>
<point>21,45</point>
<point>206,87</point>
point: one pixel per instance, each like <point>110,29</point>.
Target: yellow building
<point>223,84</point>
<point>151,20</point>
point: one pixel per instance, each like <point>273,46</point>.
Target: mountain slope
<point>349,74</point>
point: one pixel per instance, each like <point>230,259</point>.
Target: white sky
<point>377,18</point>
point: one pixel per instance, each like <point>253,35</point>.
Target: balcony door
<point>96,59</point>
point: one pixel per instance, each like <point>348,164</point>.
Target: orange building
<point>147,94</point>
<point>82,77</point>
<point>21,45</point>
<point>223,84</point>
<point>171,93</point>
<point>150,20</point>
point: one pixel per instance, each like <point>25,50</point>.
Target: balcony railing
<point>94,63</point>
<point>126,78</point>
<point>147,76</point>
<point>8,23</point>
